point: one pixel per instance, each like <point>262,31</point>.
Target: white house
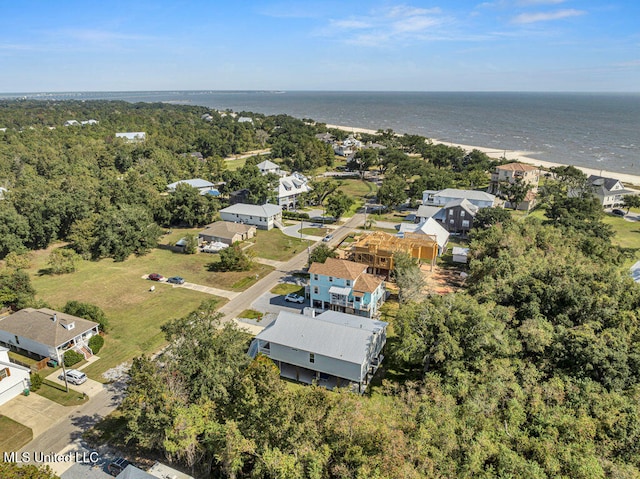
<point>71,123</point>
<point>429,227</point>
<point>263,216</point>
<point>334,349</point>
<point>132,136</point>
<point>47,333</point>
<point>441,198</point>
<point>14,379</point>
<point>268,166</point>
<point>290,188</point>
<point>609,191</point>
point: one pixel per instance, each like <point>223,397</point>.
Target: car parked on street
<point>118,465</point>
<point>294,298</point>
<point>617,212</point>
<point>176,280</point>
<point>155,277</point>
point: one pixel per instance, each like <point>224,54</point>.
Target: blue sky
<point>444,45</point>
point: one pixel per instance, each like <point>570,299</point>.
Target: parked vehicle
<point>176,280</point>
<point>294,298</point>
<point>155,277</point>
<point>618,212</point>
<point>118,465</point>
<point>74,376</point>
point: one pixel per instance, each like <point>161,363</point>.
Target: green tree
<point>631,201</point>
<point>338,203</point>
<point>18,260</point>
<point>16,290</point>
<point>87,311</point>
<point>408,277</point>
<point>11,470</point>
<point>191,246</point>
<point>320,253</point>
<point>514,192</point>
<point>63,260</point>
<point>95,343</point>
<point>232,258</point>
<point>392,192</point>
<point>488,217</point>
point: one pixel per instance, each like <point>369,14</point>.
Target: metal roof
<point>194,182</point>
<point>266,211</point>
<point>331,334</point>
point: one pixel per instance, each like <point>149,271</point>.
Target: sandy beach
<point>522,156</point>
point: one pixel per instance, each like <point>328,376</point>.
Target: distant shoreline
<point>514,155</point>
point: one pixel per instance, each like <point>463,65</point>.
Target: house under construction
<point>377,249</point>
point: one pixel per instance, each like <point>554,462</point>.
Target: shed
<point>460,255</point>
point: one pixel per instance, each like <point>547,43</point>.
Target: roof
<point>292,184</point>
<point>635,272</point>
<point>429,227</point>
<point>268,165</point>
<point>457,250</point>
<point>194,182</point>
<point>39,325</point>
<point>132,472</point>
<point>339,268</point>
<point>425,211</point>
<point>607,183</point>
<point>266,211</point>
<point>368,283</point>
<point>462,203</point>
<point>466,194</point>
<point>226,229</point>
<point>165,472</point>
<point>516,167</point>
<point>331,334</point>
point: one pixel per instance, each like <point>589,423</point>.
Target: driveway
<point>35,412</point>
<point>89,387</point>
<point>294,230</point>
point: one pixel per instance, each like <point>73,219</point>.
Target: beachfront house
<point>609,191</point>
<point>14,379</point>
<point>512,172</point>
<point>264,216</point>
<point>46,333</point>
<point>480,199</point>
<point>332,349</point>
<point>345,286</point>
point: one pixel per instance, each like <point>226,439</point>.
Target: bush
<point>95,343</point>
<point>36,381</point>
<point>72,357</point>
<point>294,215</point>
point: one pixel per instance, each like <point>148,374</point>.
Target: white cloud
<point>546,16</point>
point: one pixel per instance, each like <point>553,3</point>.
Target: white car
<point>294,298</point>
<point>74,376</point>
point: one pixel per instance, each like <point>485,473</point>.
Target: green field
<point>13,435</point>
<point>135,314</point>
<point>275,245</point>
<point>56,393</point>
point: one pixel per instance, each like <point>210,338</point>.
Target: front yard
<point>13,435</point>
<point>275,245</point>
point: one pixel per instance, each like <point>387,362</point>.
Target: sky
<point>375,45</point>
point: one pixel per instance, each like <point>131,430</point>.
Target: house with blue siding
<point>332,349</point>
<point>345,286</point>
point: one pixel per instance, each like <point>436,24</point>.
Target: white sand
<point>522,156</point>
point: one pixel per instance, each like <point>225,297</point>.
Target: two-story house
<point>341,285</point>
<point>609,191</point>
<point>265,216</point>
<point>268,166</point>
<point>512,172</point>
<point>457,216</point>
<point>480,199</point>
<point>332,349</point>
<point>290,188</point>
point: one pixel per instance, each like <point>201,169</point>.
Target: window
<point>17,340</point>
<point>357,298</point>
<point>451,221</point>
<point>316,290</point>
<point>462,213</point>
<point>348,282</point>
<point>315,277</point>
<point>450,212</point>
<point>465,223</point>
<point>4,373</point>
<point>330,279</point>
<point>312,358</point>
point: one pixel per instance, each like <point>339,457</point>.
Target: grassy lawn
<point>251,314</point>
<point>314,231</point>
<point>55,392</point>
<point>286,288</point>
<point>13,435</point>
<point>233,165</point>
<point>135,314</point>
<point>275,245</point>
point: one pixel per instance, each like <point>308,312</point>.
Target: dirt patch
<point>443,280</point>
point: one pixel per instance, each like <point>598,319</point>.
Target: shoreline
<point>521,156</point>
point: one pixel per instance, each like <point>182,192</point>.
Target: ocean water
<point>596,130</point>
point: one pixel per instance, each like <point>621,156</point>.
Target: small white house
<point>47,333</point>
<point>14,379</point>
<point>460,255</point>
<point>268,166</point>
<point>333,349</point>
<point>264,216</point>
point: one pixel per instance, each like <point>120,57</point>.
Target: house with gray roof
<point>457,216</point>
<point>480,199</point>
<point>226,232</point>
<point>333,349</point>
<point>46,333</point>
<point>425,212</point>
<point>264,216</point>
<point>268,166</point>
<point>290,188</point>
<point>609,191</point>
<point>428,227</point>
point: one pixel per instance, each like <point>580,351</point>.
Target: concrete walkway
<point>269,262</point>
<point>209,290</point>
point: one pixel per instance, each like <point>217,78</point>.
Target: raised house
<point>263,216</point>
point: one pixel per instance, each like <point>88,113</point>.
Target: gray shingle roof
<point>194,182</point>
<point>266,211</point>
<point>331,334</point>
<point>468,194</point>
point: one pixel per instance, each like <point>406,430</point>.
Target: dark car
<point>155,277</point>
<point>618,212</point>
<point>176,280</point>
<point>118,465</point>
